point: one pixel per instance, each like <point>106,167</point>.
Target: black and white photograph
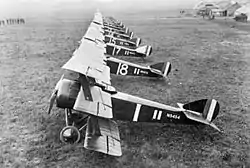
<point>124,84</point>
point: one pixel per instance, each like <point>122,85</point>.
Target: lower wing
<point>102,135</point>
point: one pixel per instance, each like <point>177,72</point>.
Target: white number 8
<point>123,69</point>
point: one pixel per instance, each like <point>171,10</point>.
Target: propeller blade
<point>52,100</point>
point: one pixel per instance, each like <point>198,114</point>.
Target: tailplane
<point>144,50</point>
<point>137,41</point>
<point>163,67</point>
<point>203,111</point>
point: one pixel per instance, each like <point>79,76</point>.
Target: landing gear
<point>75,122</point>
<point>70,134</point>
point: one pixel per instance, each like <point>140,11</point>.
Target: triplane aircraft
<point>121,67</point>
<point>114,27</point>
<point>120,41</point>
<point>134,42</point>
<point>85,88</point>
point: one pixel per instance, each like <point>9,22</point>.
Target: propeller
<point>52,100</point>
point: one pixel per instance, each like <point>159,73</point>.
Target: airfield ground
<point>209,59</point>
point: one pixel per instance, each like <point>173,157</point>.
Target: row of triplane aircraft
<point>91,103</point>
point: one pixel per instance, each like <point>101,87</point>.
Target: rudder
<point>144,50</point>
<point>164,67</point>
<point>137,41</point>
<point>209,108</point>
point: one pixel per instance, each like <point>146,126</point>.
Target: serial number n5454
<point>174,116</point>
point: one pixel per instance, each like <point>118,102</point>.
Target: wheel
<point>70,134</point>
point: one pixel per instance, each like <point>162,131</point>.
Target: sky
<point>48,8</point>
<point>19,8</point>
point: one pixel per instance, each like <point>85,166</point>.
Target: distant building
<point>219,8</point>
<point>228,7</point>
<point>243,10</point>
<point>202,7</point>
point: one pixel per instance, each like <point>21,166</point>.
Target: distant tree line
<point>12,21</point>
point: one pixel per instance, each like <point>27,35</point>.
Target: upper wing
<point>102,135</point>
<point>98,19</point>
<point>94,34</point>
<point>89,60</point>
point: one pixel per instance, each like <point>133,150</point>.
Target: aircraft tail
<point>145,51</point>
<point>126,30</point>
<point>163,67</point>
<point>137,41</point>
<point>131,34</point>
<point>203,111</point>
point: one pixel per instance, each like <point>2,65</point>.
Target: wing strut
<point>86,87</point>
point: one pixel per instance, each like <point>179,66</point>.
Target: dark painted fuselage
<point>115,26</point>
<point>117,31</point>
<point>119,42</point>
<point>117,35</point>
<point>121,51</point>
<point>128,108</point>
<point>126,69</point>
<point>125,110</point>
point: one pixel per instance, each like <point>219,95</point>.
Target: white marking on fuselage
<point>155,114</point>
<point>113,53</point>
<point>135,70</point>
<point>118,68</point>
<point>138,71</point>
<point>159,115</point>
<point>211,110</point>
<point>137,111</point>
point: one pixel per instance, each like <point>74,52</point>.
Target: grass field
<point>209,59</point>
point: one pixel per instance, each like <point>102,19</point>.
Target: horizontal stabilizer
<point>162,68</point>
<point>203,111</point>
<point>102,135</point>
<point>200,119</point>
<point>144,50</point>
<point>137,41</point>
<point>209,108</point>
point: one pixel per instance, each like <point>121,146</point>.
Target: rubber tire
<point>70,127</point>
